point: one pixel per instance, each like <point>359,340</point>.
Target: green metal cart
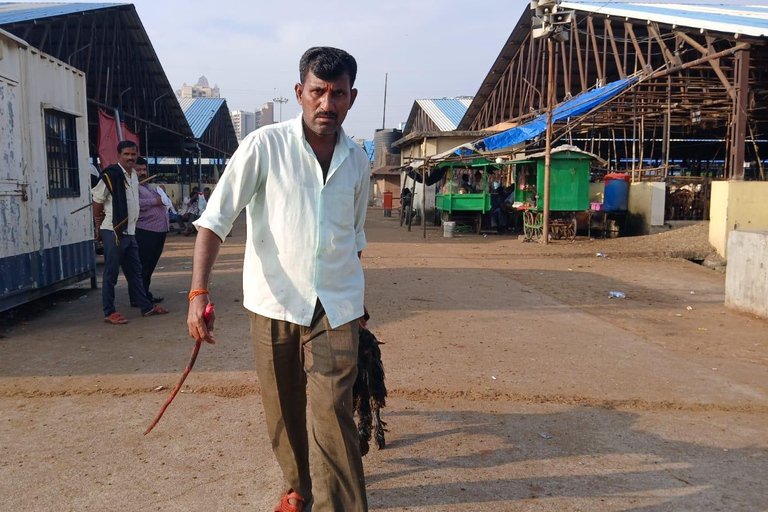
<point>568,192</point>
<point>451,202</point>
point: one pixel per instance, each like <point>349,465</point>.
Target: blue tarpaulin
<point>578,105</point>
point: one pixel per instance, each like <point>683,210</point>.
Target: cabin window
<point>61,149</point>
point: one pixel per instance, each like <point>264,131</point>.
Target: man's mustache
<point>322,113</point>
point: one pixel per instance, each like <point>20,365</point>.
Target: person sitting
<point>509,201</point>
<point>498,213</point>
<point>477,180</point>
<point>190,211</point>
<point>466,187</point>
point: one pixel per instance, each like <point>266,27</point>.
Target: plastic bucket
<point>448,229</point>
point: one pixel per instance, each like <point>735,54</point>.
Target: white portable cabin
<point>44,175</point>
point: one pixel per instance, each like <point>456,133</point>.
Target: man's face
<point>141,170</point>
<point>207,194</point>
<point>127,158</point>
<point>325,104</point>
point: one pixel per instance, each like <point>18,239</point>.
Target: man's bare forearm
<point>207,248</point>
<point>98,214</point>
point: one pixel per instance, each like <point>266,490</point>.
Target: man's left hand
<point>363,321</point>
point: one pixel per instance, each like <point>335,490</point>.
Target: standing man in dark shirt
<point>151,230</point>
<point>116,211</point>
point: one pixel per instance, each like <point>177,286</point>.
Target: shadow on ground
<point>582,453</point>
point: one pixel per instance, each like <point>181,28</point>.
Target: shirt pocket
<point>340,209</point>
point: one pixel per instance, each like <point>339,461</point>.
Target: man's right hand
<point>199,330</point>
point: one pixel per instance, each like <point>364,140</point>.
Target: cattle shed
<point>691,110</point>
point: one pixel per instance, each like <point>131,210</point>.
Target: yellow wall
<point>448,143</point>
<point>596,192</point>
<point>741,205</point>
<point>434,146</point>
<point>173,191</point>
<point>718,208</point>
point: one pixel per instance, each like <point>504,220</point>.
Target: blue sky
<point>429,48</point>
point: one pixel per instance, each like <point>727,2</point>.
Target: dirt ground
<point>515,383</point>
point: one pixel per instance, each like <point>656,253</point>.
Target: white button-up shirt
<point>102,196</point>
<point>303,236</point>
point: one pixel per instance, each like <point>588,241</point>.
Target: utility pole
<point>384,115</point>
<point>549,22</point>
<point>280,100</point>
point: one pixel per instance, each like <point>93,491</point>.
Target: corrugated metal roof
<point>16,12</point>
<point>200,112</point>
<point>369,149</point>
<point>446,113</point>
<point>750,20</point>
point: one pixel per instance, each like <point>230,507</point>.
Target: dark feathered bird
<point>370,392</point>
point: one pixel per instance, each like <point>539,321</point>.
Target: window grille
<point>61,149</point>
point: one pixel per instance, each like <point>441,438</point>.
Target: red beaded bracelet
<point>195,293</point>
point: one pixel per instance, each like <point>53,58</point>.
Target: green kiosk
<point>452,201</point>
<point>568,190</point>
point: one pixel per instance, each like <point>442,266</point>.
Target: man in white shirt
<point>304,185</point>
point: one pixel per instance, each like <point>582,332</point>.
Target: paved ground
<point>515,384</point>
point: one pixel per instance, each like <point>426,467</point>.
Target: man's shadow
<point>571,457</point>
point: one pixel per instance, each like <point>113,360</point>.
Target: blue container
<point>616,195</point>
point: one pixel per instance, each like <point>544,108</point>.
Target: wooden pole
<point>634,135</point>
<point>91,203</point>
<point>424,199</point>
<point>667,129</point>
<point>739,125</point>
<point>548,148</point>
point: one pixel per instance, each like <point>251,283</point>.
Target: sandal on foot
<point>116,318</point>
<point>157,310</point>
<point>285,506</point>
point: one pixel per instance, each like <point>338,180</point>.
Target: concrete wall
<point>647,200</point>
<point>736,205</point>
<point>389,183</point>
<point>746,278</point>
<point>718,209</point>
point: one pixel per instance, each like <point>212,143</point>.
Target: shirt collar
<point>124,171</point>
<point>297,128</point>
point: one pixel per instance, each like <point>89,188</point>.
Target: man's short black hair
<point>207,189</point>
<point>327,64</point>
<point>141,161</point>
<point>125,144</point>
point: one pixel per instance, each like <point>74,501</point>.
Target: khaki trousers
<point>296,363</point>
